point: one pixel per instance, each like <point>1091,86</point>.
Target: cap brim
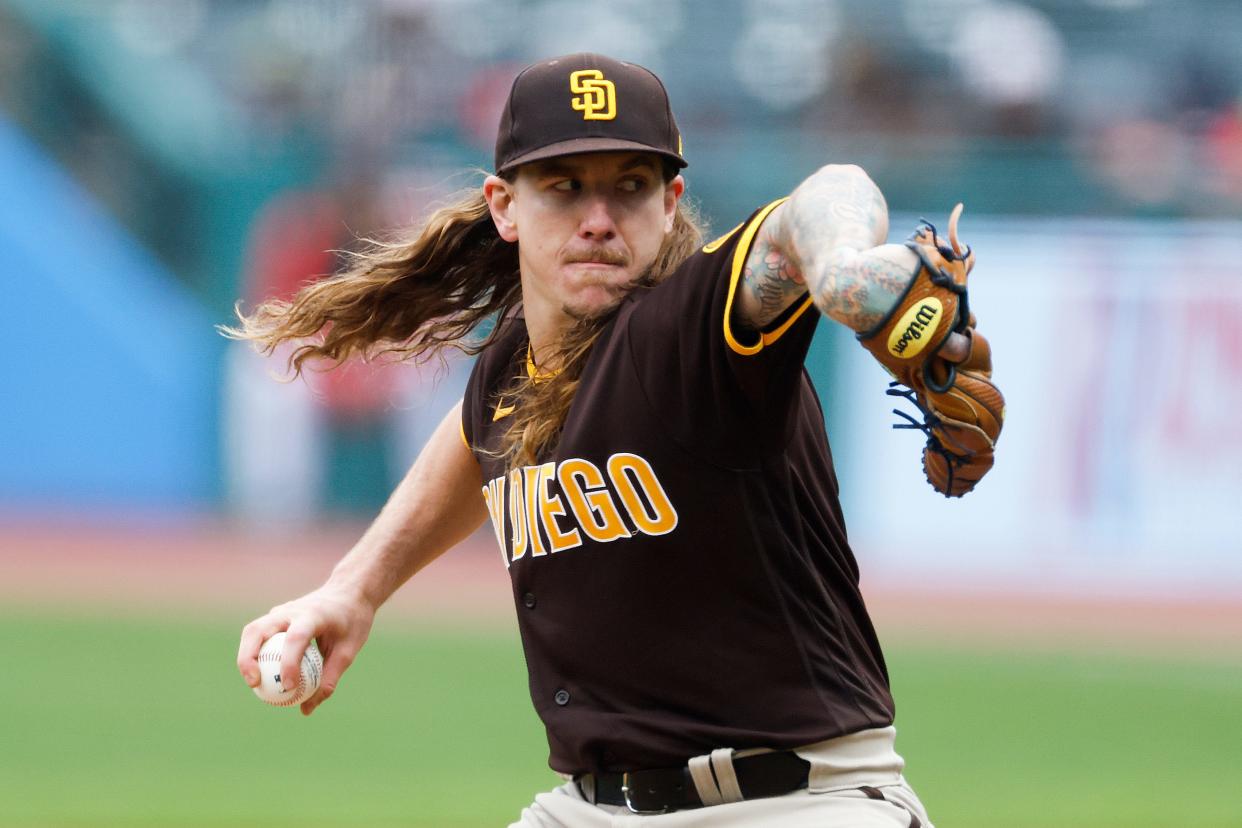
<point>577,146</point>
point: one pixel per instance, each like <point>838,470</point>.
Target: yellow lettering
<point>589,499</point>
<point>532,510</point>
<point>595,97</point>
<point>629,473</point>
<point>517,515</point>
<point>550,507</point>
<point>585,497</point>
<point>494,494</point>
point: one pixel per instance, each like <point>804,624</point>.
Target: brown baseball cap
<point>585,103</point>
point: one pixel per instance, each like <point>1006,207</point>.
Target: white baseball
<point>269,688</point>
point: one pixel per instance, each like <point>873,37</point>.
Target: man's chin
<point>586,311</point>
<point>597,301</point>
<point>601,298</point>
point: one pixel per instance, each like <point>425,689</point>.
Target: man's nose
<point>597,222</point>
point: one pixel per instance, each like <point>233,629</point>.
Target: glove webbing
<point>929,423</point>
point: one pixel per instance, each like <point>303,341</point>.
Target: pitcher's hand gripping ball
<point>270,689</point>
<point>962,409</point>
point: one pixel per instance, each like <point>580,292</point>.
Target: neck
<point>545,331</point>
<point>546,322</point>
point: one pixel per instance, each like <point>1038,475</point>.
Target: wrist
<point>859,289</point>
<point>358,579</point>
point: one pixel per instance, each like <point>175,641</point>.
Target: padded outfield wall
<point>1118,346</point>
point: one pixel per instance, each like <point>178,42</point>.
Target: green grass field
<point>109,721</point>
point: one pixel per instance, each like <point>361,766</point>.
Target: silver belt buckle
<point>625,792</point>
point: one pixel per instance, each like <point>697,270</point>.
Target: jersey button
<point>529,600</point>
<point>561,697</point>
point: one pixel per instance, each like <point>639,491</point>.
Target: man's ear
<point>499,196</point>
<point>672,193</point>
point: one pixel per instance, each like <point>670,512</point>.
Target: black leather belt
<point>663,790</point>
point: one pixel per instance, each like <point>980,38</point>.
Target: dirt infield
<point>213,568</point>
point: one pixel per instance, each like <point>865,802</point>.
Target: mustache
<point>600,255</point>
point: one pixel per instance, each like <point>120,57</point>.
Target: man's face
<point>587,226</point>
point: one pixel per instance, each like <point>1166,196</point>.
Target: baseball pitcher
<point>641,433</point>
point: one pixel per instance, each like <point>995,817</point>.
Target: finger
<point>956,348</point>
<point>252,637</point>
<point>297,638</point>
<point>321,695</point>
<point>337,661</point>
<point>953,217</point>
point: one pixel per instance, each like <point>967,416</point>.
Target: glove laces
<point>929,423</point>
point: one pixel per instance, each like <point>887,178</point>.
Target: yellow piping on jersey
<point>533,371</point>
<point>739,263</point>
<point>712,247</point>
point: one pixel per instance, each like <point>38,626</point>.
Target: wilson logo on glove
<point>962,411</point>
<point>907,340</point>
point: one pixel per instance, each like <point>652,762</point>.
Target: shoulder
<point>706,284</point>
<point>719,262</point>
<point>504,343</point>
<point>493,371</point>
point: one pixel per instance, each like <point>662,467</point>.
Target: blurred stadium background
<point>1066,643</point>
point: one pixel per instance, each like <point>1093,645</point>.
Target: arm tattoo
<point>827,238</point>
<point>837,207</point>
<point>859,289</point>
<point>836,231</point>
<point>770,284</point>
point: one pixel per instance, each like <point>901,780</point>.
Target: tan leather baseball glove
<point>962,410</point>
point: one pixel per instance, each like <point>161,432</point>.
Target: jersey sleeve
<point>751,343</point>
<point>470,408</point>
<point>703,373</point>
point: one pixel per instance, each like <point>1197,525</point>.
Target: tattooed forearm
<point>828,239</point>
<point>770,283</point>
<point>838,206</point>
<point>835,231</point>
<point>859,288</point>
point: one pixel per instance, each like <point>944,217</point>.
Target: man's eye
<point>631,185</point>
<point>567,186</point>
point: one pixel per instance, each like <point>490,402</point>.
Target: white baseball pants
<point>855,782</point>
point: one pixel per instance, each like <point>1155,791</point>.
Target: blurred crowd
<point>1138,98</point>
<point>245,140</point>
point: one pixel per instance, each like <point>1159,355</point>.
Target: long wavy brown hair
<point>410,296</point>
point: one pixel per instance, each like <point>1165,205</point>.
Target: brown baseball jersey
<point>679,563</point>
